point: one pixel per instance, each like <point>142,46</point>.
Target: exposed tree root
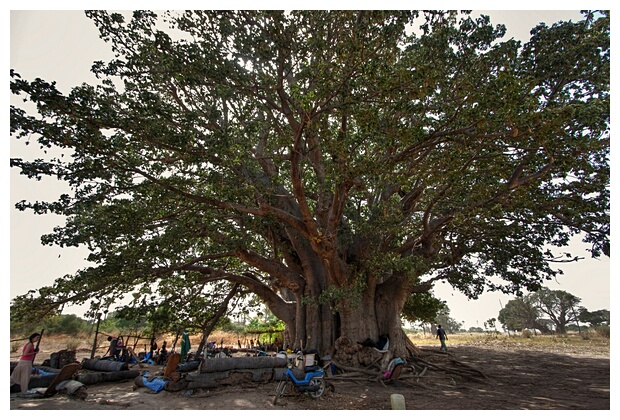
<point>415,368</point>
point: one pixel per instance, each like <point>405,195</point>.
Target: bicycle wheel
<point>280,390</point>
<point>321,383</point>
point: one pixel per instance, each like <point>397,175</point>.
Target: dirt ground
<point>513,377</point>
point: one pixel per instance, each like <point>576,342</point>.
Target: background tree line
<point>550,310</point>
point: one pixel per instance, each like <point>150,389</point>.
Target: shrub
<point>65,324</point>
<point>603,330</point>
<point>73,343</point>
<point>526,334</point>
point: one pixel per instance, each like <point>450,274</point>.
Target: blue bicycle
<point>308,380</point>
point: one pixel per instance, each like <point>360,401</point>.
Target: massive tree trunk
<point>376,312</point>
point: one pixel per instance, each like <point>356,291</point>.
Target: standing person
<point>22,372</point>
<point>185,346</point>
<point>441,334</point>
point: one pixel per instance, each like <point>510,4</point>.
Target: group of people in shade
<point>158,356</point>
<point>23,371</point>
<point>118,352</point>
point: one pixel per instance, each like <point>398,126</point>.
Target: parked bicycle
<point>308,380</point>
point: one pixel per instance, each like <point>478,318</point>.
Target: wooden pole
<point>174,344</point>
<point>37,346</point>
<point>92,352</point>
<point>133,354</point>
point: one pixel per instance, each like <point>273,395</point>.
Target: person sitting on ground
<point>163,353</point>
<point>119,347</point>
<point>112,347</point>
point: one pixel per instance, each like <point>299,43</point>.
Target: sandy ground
<point>515,378</point>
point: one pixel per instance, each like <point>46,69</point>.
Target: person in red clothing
<point>22,372</point>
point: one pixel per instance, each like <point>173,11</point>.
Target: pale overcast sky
<point>61,46</point>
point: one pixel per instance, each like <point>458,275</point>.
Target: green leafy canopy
<point>254,146</point>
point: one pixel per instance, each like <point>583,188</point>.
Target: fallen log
<point>41,381</point>
<point>90,378</point>
<point>36,381</point>
<point>230,377</point>
<point>104,365</point>
<point>188,366</point>
<point>261,375</point>
<point>198,380</point>
<point>176,386</point>
<point>47,369</point>
<point>237,363</point>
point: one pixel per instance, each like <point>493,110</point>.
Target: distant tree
<point>475,329</point>
<point>560,306</point>
<point>519,314</point>
<point>490,324</point>
<point>68,324</point>
<point>227,324</point>
<point>595,318</point>
<point>117,322</point>
<point>21,326</point>
<point>573,327</point>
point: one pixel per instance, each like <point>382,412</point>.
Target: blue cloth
<point>42,372</point>
<point>148,359</point>
<point>156,384</point>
